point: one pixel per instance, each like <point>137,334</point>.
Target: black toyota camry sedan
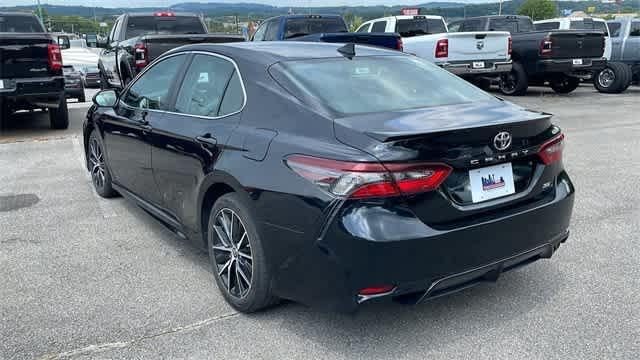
<point>332,174</point>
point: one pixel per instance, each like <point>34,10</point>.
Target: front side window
<point>152,89</point>
<point>635,28</point>
<point>364,28</point>
<point>204,86</point>
<point>375,84</point>
<point>20,24</point>
<point>615,27</point>
<point>259,34</point>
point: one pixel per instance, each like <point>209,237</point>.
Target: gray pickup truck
<point>624,65</point>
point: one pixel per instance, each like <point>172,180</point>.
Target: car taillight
<point>545,46</point>
<point>551,151</point>
<point>55,57</point>
<point>510,45</point>
<point>368,180</point>
<point>376,290</point>
<point>400,45</point>
<point>442,48</point>
<point>140,55</point>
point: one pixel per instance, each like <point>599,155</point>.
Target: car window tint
<point>233,97</point>
<point>472,25</point>
<point>372,84</point>
<point>436,26</point>
<point>614,28</point>
<point>602,26</point>
<point>552,25</point>
<point>272,30</point>
<point>204,85</point>
<point>635,28</point>
<point>151,90</point>
<point>455,27</point>
<point>379,26</point>
<point>503,25</point>
<point>20,24</point>
<point>141,25</point>
<point>259,34</point>
<point>305,26</point>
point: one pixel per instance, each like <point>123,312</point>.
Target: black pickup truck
<point>30,69</point>
<point>136,39</point>
<point>557,57</point>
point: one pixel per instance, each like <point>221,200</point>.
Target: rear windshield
<point>20,24</point>
<point>419,26</point>
<point>512,25</point>
<point>553,25</point>
<point>375,84</point>
<point>307,26</point>
<point>163,25</point>
<point>589,24</point>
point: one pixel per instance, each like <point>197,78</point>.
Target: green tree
<point>355,23</point>
<point>538,9</point>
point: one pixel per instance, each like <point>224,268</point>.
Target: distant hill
<point>259,11</point>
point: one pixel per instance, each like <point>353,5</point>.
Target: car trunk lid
<point>576,44</point>
<point>482,45</point>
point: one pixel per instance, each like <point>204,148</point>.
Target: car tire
<point>564,84</point>
<point>515,82</point>
<point>59,118</point>
<point>239,265</point>
<point>97,166</point>
<point>613,79</point>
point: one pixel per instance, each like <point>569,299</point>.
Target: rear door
<point>188,140</point>
<point>127,129</point>
<point>617,38</point>
<point>631,50</point>
<point>108,55</point>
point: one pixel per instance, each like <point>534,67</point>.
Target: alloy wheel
<point>508,82</point>
<point>96,160</point>
<point>232,253</point>
<point>606,78</point>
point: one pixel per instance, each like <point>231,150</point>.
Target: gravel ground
<point>83,277</point>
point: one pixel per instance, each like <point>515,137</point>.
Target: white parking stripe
<point>105,205</point>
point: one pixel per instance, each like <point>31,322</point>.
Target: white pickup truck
<point>578,23</point>
<point>468,54</point>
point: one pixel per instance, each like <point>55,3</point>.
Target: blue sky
<point>141,3</point>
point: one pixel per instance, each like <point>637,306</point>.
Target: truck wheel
<point>613,79</point>
<point>515,82</point>
<point>59,118</point>
<point>564,84</point>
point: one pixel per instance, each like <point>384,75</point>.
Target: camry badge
<point>502,141</point>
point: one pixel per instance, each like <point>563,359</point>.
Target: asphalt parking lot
<point>83,277</point>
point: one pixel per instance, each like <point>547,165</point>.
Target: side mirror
<point>106,98</point>
<point>63,42</point>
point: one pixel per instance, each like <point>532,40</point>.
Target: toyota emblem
<point>502,141</point>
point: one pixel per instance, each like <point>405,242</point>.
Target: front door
<point>188,140</point>
<point>127,130</point>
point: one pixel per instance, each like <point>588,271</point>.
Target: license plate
<point>577,61</point>
<point>478,64</point>
<point>1,84</point>
<point>491,182</point>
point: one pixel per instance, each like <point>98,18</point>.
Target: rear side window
<point>233,98</point>
<point>379,26</point>
<point>163,25</point>
<point>436,26</point>
<point>259,34</point>
<point>602,26</point>
<point>455,27</point>
<point>375,84</point>
<point>364,28</point>
<point>204,86</point>
<point>151,90</point>
<point>20,24</point>
<point>614,27</point>
<point>524,25</point>
<point>311,25</point>
<point>635,28</point>
<point>552,25</point>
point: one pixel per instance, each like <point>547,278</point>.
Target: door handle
<point>207,140</point>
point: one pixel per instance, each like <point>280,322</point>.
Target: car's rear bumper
<point>567,66</point>
<point>346,257</point>
<point>40,92</point>
<point>467,68</point>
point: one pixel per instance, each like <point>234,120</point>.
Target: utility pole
<point>40,12</point>
<point>500,8</point>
